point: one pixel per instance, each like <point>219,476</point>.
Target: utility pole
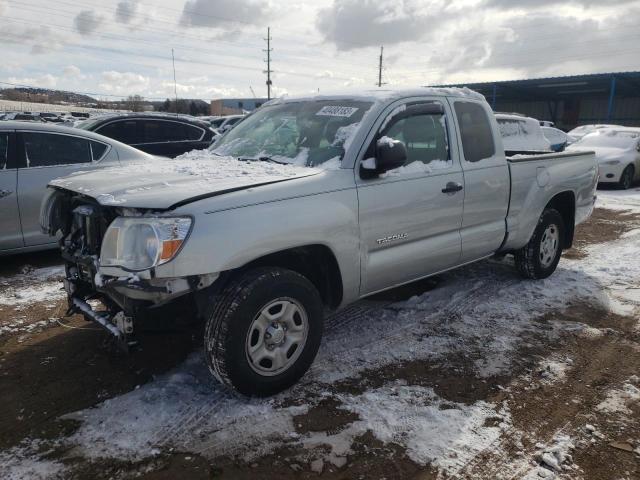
<point>268,70</point>
<point>380,68</point>
<point>175,84</point>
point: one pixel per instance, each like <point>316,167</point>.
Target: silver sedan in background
<point>33,154</point>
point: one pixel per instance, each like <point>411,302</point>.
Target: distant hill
<point>45,95</point>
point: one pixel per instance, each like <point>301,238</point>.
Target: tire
<point>539,258</point>
<point>253,326</point>
<point>626,179</point>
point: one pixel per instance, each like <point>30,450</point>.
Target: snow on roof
<point>383,94</point>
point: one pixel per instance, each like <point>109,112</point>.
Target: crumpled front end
<point>113,297</point>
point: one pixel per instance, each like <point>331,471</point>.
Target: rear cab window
<point>475,131</point>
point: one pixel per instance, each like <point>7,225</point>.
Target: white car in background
<point>617,153</point>
<point>521,134</point>
<point>226,123</point>
<point>557,138</point>
<point>579,132</point>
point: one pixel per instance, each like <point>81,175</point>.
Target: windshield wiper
<point>262,159</point>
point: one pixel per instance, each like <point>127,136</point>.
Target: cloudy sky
<point>122,47</point>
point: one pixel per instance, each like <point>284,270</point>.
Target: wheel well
<point>315,262</point>
<point>565,204</point>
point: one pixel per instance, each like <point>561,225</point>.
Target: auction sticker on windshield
<point>336,111</point>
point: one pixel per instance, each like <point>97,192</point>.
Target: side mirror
<point>390,154</point>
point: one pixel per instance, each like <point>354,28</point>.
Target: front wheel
<point>264,331</point>
<point>626,179</point>
<point>539,258</point>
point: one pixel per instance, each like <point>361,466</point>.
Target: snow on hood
<point>163,183</point>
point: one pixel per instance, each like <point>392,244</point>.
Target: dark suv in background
<point>165,135</point>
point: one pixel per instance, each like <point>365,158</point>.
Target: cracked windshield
<point>307,133</point>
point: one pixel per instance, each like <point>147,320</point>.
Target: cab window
<point>475,132</point>
<point>424,135</point>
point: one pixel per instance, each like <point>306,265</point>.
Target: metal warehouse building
<point>568,101</point>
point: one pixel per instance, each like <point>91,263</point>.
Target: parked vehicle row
<point>366,192</point>
<point>67,118</point>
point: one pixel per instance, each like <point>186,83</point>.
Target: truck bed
<point>552,173</point>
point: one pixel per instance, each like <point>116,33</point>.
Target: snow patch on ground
<point>628,200</point>
<point>552,459</point>
<point>32,286</point>
<point>23,463</point>
<point>20,325</point>
<point>555,369</point>
<point>619,401</point>
<point>435,432</point>
<point>185,409</point>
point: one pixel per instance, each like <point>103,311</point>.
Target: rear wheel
<point>540,257</point>
<point>626,179</point>
<point>264,331</point>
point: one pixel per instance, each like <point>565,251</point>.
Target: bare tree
<point>134,103</point>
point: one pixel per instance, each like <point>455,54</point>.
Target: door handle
<point>5,193</point>
<point>452,187</point>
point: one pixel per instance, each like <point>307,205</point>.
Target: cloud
<point>532,4</point>
<point>71,71</point>
<point>41,39</point>
<point>126,11</point>
<point>225,14</point>
<point>4,8</point>
<point>533,44</point>
<point>43,81</point>
<point>87,22</point>
<point>351,24</point>
<point>125,83</point>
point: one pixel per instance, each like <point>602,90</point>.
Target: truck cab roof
<point>383,94</point>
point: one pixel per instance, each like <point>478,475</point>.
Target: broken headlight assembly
<point>140,243</point>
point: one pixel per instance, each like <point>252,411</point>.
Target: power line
<point>519,53</point>
<point>533,25</point>
<point>129,40</point>
<point>72,15</point>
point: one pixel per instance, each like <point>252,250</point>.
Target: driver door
<point>409,220</point>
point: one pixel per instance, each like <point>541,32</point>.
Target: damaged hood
<point>165,184</point>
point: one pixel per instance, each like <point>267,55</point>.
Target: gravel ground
<point>473,374</point>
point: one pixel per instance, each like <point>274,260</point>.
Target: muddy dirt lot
<point>474,374</point>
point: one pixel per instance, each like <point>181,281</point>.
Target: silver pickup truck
<point>309,204</point>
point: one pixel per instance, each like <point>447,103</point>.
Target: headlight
<point>139,243</point>
<point>612,162</point>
